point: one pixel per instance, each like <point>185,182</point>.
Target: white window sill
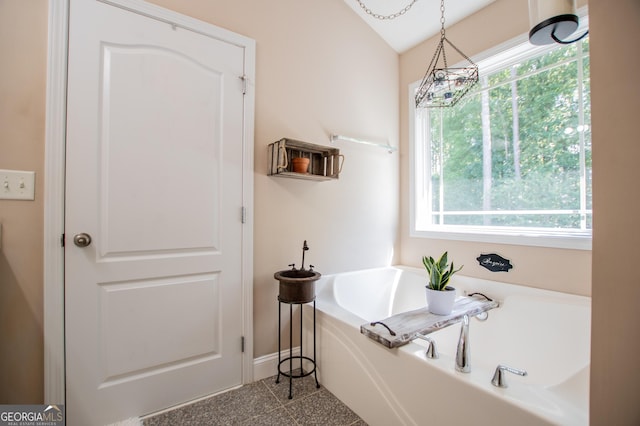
<point>524,237</point>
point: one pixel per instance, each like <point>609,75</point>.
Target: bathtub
<point>545,333</point>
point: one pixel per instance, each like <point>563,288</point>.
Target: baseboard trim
<point>267,365</point>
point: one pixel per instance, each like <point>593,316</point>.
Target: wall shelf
<point>325,162</point>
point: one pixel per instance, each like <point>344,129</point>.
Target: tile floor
<point>264,403</point>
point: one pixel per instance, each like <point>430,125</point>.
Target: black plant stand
<point>290,358</point>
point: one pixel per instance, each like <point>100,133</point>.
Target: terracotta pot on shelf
<point>300,164</point>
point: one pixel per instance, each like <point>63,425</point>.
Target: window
<point>511,161</point>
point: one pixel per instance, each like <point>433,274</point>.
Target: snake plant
<point>440,272</point>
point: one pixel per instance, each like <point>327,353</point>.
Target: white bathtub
<point>545,333</point>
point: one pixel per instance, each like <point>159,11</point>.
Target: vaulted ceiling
<point>419,23</point>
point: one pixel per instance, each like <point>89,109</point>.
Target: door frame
<point>54,176</point>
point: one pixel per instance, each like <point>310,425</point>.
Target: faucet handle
<point>432,350</point>
<point>293,266</point>
<point>499,379</point>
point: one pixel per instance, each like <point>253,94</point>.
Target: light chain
<point>386,17</point>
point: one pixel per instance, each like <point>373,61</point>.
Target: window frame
<point>539,237</point>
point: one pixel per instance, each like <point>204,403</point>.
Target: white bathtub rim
<point>498,290</point>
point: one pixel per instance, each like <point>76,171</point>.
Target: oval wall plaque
<point>494,262</point>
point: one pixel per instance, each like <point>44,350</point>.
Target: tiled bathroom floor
<point>264,403</point>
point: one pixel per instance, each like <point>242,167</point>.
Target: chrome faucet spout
<point>463,363</point>
<point>305,247</point>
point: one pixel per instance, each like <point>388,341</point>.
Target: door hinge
<point>243,215</point>
<point>242,343</point>
<point>244,84</point>
<point>62,240</point>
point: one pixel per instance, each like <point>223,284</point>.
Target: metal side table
<point>290,374</point>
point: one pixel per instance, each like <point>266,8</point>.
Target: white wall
<point>615,335</point>
<point>23,49</point>
<point>320,70</point>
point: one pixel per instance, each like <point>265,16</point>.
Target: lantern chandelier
<point>441,85</point>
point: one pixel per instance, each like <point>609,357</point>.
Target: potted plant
<point>440,296</point>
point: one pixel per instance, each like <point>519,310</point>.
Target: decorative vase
<point>300,164</point>
<point>441,302</point>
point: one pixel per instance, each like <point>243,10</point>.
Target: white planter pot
<point>441,302</point>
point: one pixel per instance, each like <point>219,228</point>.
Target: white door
<point>153,305</point>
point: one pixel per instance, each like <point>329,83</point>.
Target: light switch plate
<point>17,185</point>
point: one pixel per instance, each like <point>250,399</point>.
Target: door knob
<point>82,240</point>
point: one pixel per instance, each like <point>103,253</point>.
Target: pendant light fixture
<point>553,21</point>
<point>441,85</point>
<point>386,17</point>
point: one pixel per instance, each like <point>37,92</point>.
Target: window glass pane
<point>462,154</point>
<point>585,45</point>
<point>586,128</point>
<point>516,150</point>
<point>548,59</point>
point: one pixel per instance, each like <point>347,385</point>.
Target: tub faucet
<point>463,363</point>
<point>432,350</point>
<point>499,379</point>
<point>305,247</point>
